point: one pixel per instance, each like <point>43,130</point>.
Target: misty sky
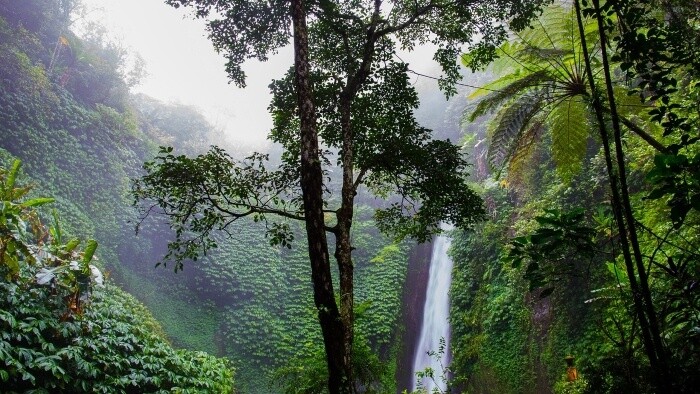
<point>183,67</point>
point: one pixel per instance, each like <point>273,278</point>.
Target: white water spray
<point>435,316</point>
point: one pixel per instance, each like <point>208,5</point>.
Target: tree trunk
<point>618,208</point>
<point>343,251</point>
<point>332,327</point>
<point>647,302</point>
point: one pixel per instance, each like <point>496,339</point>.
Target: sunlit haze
<point>182,66</point>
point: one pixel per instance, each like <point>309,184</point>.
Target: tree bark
<point>617,202</point>
<point>647,302</point>
<point>332,327</point>
<point>343,252</point>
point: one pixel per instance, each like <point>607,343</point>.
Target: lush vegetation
<point>65,331</point>
<point>552,273</point>
<point>346,96</point>
<point>67,114</point>
<point>549,273</point>
<point>267,319</point>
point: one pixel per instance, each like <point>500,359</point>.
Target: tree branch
<point>359,179</point>
<point>408,22</point>
<point>640,132</point>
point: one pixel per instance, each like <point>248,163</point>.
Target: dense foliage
<point>64,331</point>
<point>347,92</point>
<point>266,318</point>
<point>554,273</point>
<point>247,300</point>
<point>80,138</point>
<point>543,278</point>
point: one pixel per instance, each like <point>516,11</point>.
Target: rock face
<point>413,303</point>
<point>435,327</point>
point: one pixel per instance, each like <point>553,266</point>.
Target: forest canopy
<point>571,173</point>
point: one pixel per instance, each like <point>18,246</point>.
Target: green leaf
<point>35,202</point>
<point>12,176</point>
<point>544,235</point>
<point>619,274</point>
<point>569,128</point>
<point>71,245</point>
<point>56,229</point>
<point>89,251</point>
<point>12,263</point>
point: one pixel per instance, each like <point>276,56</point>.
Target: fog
<point>183,67</point>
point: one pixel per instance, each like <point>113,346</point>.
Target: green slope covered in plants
<point>560,267</point>
<point>64,330</point>
<point>67,113</point>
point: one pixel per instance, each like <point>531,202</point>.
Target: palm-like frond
<point>543,86</point>
<point>497,84</point>
<point>513,121</point>
<point>569,128</point>
<point>554,33</point>
<point>494,99</point>
<point>560,28</point>
<point>520,159</point>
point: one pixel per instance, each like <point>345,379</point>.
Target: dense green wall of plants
<point>505,336</point>
<point>63,329</point>
<point>546,276</point>
<point>67,114</point>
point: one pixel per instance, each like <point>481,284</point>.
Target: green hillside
<point>588,167</point>
<point>68,115</point>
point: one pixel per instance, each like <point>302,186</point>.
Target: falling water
<point>435,315</point>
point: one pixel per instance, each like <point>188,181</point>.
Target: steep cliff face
<point>413,301</point>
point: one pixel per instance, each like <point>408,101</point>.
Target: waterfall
<point>435,315</point>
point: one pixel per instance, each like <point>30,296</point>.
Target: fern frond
<point>520,159</point>
<point>554,38</point>
<point>557,20</point>
<point>508,59</point>
<point>546,53</point>
<point>505,93</point>
<point>527,142</point>
<point>513,120</point>
<point>494,85</point>
<point>569,126</point>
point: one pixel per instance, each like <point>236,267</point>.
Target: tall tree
<point>541,87</point>
<point>361,107</point>
<point>547,75</point>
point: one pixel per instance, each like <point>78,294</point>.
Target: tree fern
<point>543,88</point>
<point>513,121</point>
<point>570,131</point>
